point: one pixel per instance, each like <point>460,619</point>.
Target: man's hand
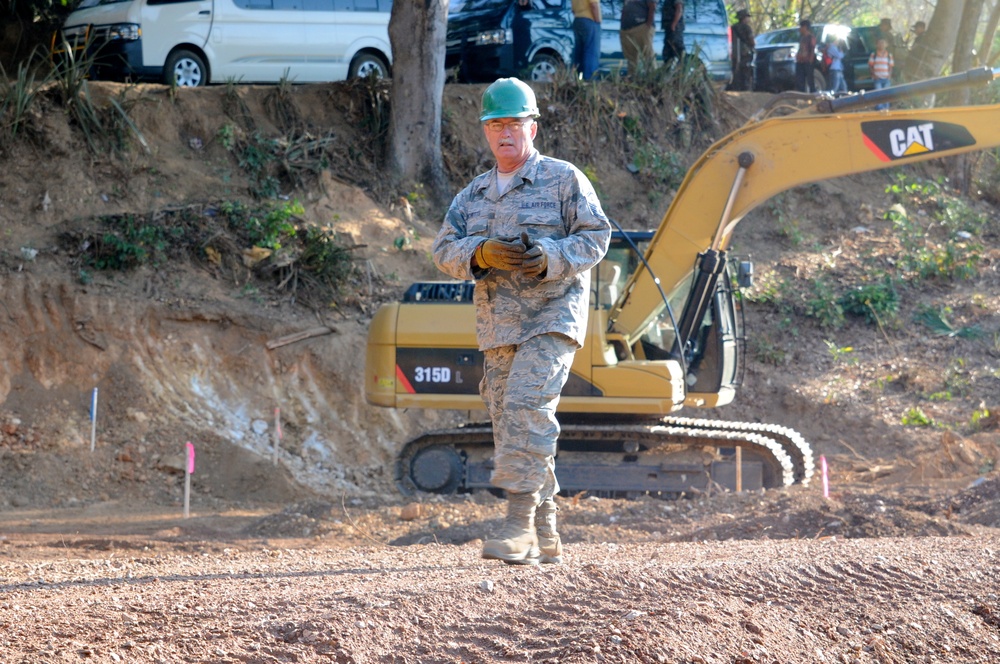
<point>535,262</point>
<point>501,254</point>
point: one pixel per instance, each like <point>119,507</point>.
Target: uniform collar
<point>527,173</point>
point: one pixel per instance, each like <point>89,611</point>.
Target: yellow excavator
<point>666,327</point>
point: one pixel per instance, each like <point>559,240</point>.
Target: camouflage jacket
<point>557,206</point>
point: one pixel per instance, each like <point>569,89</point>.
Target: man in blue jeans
<point>587,34</point>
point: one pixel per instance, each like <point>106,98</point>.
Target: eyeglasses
<point>497,126</point>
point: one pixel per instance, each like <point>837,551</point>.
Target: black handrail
<point>973,77</point>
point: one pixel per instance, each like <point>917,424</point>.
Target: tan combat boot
<point>549,544</point>
<point>516,542</point>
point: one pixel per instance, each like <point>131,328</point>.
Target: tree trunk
<point>929,57</point>
<point>960,167</point>
<point>417,31</point>
<point>965,42</point>
<point>986,45</point>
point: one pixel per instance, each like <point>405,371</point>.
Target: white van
<point>197,42</point>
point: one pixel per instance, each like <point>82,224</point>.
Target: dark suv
<point>492,38</point>
<point>774,63</point>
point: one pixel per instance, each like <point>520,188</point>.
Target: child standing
<point>880,64</point>
<point>835,51</point>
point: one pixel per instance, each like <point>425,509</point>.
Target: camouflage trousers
<point>521,386</point>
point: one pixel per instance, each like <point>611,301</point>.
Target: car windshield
<point>786,36</point>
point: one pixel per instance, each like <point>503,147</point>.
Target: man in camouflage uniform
<point>528,232</point>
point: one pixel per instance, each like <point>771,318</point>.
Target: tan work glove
<point>534,263</point>
<point>500,254</point>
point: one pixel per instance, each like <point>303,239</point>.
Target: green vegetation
<point>822,303</point>
<point>324,259</point>
<point>105,129</point>
<point>915,417</point>
<point>936,319</point>
<point>665,167</point>
<point>885,278</point>
<point>269,228</point>
<point>979,417</point>
<point>263,249</point>
<point>624,116</point>
<point>130,242</point>
<point>17,97</point>
<point>766,351</point>
<point>841,354</point>
<point>874,302</point>
<point>256,156</point>
<point>941,242</point>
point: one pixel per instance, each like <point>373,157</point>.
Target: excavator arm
<point>768,156</point>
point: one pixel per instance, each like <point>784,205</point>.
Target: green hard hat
<point>508,98</point>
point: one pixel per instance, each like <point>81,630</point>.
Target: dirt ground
<point>308,553</point>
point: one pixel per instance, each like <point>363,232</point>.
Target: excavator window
<point>659,340</point>
<point>609,277</point>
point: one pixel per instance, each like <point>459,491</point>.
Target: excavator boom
<point>818,143</point>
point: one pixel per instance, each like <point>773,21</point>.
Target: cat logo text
<point>892,140</point>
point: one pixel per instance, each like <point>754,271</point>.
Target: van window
<point>254,4</point>
<point>153,3</point>
<point>86,4</point>
<point>706,12</point>
<point>611,10</point>
<point>362,5</point>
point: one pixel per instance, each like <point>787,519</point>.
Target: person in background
<point>918,49</point>
<point>880,64</point>
<point>743,52</point>
<point>672,21</point>
<point>527,232</point>
<point>885,32</point>
<point>637,28</point>
<point>587,37</point>
<point>835,72</point>
<point>805,58</point>
<point>521,28</point>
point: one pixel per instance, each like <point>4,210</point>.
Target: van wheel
<point>185,69</point>
<point>543,67</point>
<point>368,64</point>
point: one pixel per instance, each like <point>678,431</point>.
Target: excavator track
<point>790,439</point>
<point>669,457</point>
